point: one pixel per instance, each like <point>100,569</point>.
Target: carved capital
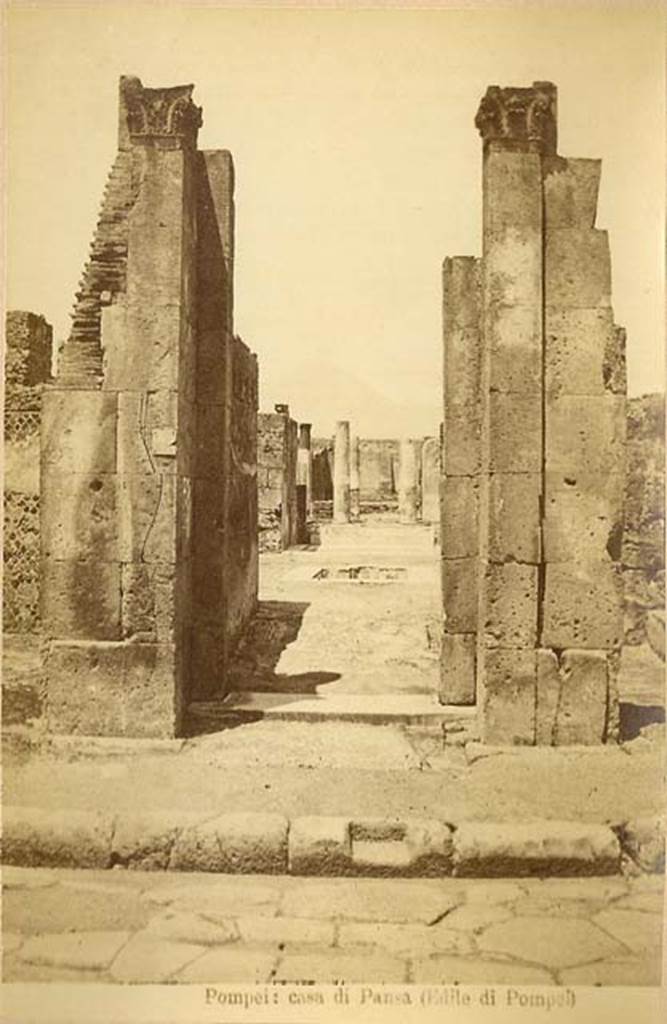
<point>519,118</point>
<point>162,114</point>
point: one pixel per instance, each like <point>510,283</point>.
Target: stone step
<point>382,709</point>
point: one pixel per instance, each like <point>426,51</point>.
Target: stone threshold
<point>374,709</point>
<point>336,846</point>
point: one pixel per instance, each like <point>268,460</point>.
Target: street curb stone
<point>526,848</point>
<point>327,846</point>
<point>35,837</point>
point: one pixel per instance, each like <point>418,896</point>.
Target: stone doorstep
<point>317,845</point>
<point>382,709</point>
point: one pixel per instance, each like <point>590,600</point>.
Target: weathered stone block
<point>583,605</point>
<point>515,341</point>
<point>213,384</point>
<point>508,696</point>
<point>153,339</point>
<point>156,225</point>
<point>148,600</point>
<point>514,517</point>
<point>142,841</point>
<point>580,351</point>
<point>130,689</point>
<point>512,190</point>
<point>461,283</point>
<point>462,365</point>
<point>460,510</point>
<point>615,362</point>
<point>572,697</point>
<point>644,840</point>
<point>548,692</point>
<point>461,452</point>
<point>515,433</point>
<point>512,269</point>
<point>249,843</point>
<point>78,519</point>
<point>79,431</point>
<point>577,268</point>
<point>459,591</point>
<point>585,433</point>
<point>583,517</point>
<point>570,192</point>
<point>319,846</point>
<point>511,604</point>
<point>457,668</point>
<point>147,518</point>
<point>81,600</point>
<point>34,837</point>
<point>207,658</point>
<point>535,848</point>
<point>147,425</point>
<point>211,434</point>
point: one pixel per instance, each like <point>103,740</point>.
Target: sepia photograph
<point>333,630</point>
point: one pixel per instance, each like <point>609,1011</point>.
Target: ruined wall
<point>28,341</point>
<point>277,456</point>
<point>378,469</point>
<point>322,471</point>
<point>137,440</point>
<point>241,570</point>
<point>533,444</point>
<point>643,541</point>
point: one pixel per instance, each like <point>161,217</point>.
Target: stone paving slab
<point>275,928</point>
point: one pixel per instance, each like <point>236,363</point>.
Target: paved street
<point>133,927</point>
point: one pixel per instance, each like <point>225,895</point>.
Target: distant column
<point>408,482</point>
<point>341,480</point>
<point>354,478</point>
<point>305,465</point>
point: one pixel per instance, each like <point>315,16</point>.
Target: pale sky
<point>358,169</point>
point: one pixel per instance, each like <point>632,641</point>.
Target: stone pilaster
<point>341,473</point>
<point>521,128</point>
<point>141,554</point>
<point>460,482</point>
<point>536,468</point>
<point>584,478</point>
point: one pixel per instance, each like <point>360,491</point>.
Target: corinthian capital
<point>160,114</point>
<point>519,118</point>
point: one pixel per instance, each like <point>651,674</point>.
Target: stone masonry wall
<point>534,432</point>
<point>277,455</point>
<point>28,342</point>
<point>137,533</point>
<point>644,537</point>
<point>241,570</point>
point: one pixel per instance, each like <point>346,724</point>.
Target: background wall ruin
<point>28,342</point>
<point>277,458</point>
